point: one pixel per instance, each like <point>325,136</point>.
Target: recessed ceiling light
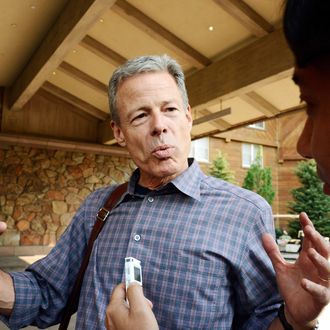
<point>33,7</point>
<point>54,73</point>
<point>101,20</point>
<point>13,25</point>
<point>74,51</point>
<point>211,28</point>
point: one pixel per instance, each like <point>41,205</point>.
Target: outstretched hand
<point>3,227</point>
<point>138,315</point>
<point>304,285</point>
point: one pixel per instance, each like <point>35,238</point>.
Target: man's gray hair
<point>149,63</point>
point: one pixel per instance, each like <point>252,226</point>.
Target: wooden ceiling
<point>232,51</point>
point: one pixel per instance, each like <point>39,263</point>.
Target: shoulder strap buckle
<point>102,214</point>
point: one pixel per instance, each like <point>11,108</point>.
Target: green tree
<point>310,199</point>
<point>259,180</point>
<point>220,169</point>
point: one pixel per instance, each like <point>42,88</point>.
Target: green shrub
<point>220,169</point>
<point>310,199</point>
<point>259,180</point>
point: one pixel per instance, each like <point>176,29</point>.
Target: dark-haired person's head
<point>307,29</point>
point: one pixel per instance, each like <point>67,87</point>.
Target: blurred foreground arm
<point>138,316</point>
<point>3,227</point>
<point>7,294</point>
<point>304,285</point>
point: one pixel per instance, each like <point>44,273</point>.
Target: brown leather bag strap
<point>102,215</point>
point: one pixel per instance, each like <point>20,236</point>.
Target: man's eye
<point>171,109</point>
<point>141,115</point>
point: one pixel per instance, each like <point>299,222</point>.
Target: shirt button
<point>137,237</point>
<point>150,199</point>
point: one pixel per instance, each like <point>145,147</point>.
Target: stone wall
<point>40,190</point>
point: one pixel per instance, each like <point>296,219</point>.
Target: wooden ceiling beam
<point>102,51</point>
<point>296,109</point>
<point>64,95</point>
<point>219,124</point>
<point>2,105</point>
<point>156,31</point>
<point>71,26</point>
<point>247,16</point>
<point>86,79</point>
<point>211,116</point>
<point>266,60</point>
<point>259,103</point>
<point>47,143</point>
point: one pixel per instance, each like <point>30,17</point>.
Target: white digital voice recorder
<point>133,271</point>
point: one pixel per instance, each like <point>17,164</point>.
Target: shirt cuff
<point>27,300</point>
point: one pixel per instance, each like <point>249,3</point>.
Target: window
<point>200,150</point>
<point>250,152</point>
<point>258,125</point>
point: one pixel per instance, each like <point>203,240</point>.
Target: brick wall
<point>40,190</point>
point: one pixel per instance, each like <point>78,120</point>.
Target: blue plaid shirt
<point>199,240</point>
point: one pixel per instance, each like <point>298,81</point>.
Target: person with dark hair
<point>307,28</point>
<point>305,285</point>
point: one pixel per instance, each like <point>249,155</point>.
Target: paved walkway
<point>20,263</point>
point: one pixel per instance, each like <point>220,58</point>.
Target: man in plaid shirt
<point>305,286</point>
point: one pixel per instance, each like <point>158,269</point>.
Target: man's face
<point>154,126</point>
<point>314,142</point>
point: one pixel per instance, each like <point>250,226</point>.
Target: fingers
<point>272,250</point>
<point>118,294</point>
<point>140,312</point>
<point>134,294</point>
<point>320,293</point>
<point>136,298</point>
<point>304,220</point>
<point>313,239</point>
<point>322,265</point>
<point>117,309</point>
<point>3,227</point>
<point>117,302</point>
<point>318,251</point>
<point>151,305</point>
<point>305,223</point>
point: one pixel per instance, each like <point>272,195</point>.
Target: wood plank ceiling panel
<point>155,30</point>
<point>247,16</point>
<point>68,30</point>
<point>265,60</point>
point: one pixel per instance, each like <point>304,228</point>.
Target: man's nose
<point>158,125</point>
<point>305,139</point>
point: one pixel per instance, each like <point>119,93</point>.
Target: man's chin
<point>326,188</point>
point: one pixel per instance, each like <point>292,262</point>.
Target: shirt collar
<point>187,182</point>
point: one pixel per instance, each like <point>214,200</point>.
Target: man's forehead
<point>146,75</point>
<point>148,83</point>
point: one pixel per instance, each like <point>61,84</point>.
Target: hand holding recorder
<point>119,316</point>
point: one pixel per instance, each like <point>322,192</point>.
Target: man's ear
<point>118,134</point>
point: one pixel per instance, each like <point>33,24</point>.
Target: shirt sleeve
<point>42,290</point>
<point>257,297</point>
